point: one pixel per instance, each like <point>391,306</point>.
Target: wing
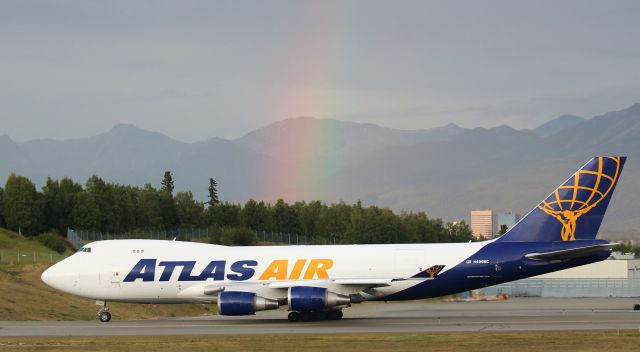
<point>370,287</point>
<point>278,289</point>
<point>567,254</point>
<point>366,283</point>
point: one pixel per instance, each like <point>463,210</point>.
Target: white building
<point>483,223</point>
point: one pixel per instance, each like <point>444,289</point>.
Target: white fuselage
<point>191,272</point>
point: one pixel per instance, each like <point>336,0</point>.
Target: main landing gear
<point>334,314</point>
<point>103,314</point>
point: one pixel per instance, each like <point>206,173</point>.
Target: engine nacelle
<point>306,298</point>
<point>243,303</point>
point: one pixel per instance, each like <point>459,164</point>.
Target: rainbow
<point>307,78</point>
<point>304,148</point>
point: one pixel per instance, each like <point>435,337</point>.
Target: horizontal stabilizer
<point>567,254</point>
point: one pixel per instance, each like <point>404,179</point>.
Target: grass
<point>11,241</point>
<point>26,297</point>
<point>480,341</point>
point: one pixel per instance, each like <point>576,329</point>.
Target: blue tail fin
<point>574,211</point>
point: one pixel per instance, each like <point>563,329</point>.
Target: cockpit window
<point>85,249</point>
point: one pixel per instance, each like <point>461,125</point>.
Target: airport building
<point>608,278</point>
<point>487,222</point>
<point>483,223</point>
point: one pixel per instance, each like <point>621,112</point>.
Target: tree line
<point>110,207</point>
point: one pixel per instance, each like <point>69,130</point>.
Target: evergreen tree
<point>168,210</point>
<point>103,196</point>
<point>149,209</point>
<point>125,200</point>
<point>67,197</point>
<point>251,217</point>
<point>189,211</point>
<point>167,182</point>
<point>2,224</point>
<point>51,207</point>
<point>375,225</point>
<point>285,218</point>
<point>503,229</point>
<point>213,192</point>
<point>20,209</point>
<point>85,214</point>
<point>167,202</point>
<point>109,207</point>
<point>333,221</point>
<point>416,226</point>
<point>225,214</point>
<point>308,216</point>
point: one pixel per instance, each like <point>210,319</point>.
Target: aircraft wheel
<point>305,316</point>
<point>105,316</point>
<point>320,315</point>
<point>294,316</point>
<point>335,314</point>
<point>636,307</point>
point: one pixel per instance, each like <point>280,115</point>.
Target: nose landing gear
<point>103,314</point>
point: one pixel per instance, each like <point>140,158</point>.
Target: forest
<point>110,207</point>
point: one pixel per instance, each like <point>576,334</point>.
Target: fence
<point>81,237</point>
<point>16,256</point>
<point>568,288</point>
<point>291,238</point>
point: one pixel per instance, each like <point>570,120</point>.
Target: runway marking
<point>530,322</point>
<point>338,324</point>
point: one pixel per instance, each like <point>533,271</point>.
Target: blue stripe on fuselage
<point>496,263</point>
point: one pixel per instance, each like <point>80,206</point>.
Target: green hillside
<point>26,297</point>
<point>11,242</point>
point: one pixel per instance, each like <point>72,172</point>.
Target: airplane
<point>317,282</point>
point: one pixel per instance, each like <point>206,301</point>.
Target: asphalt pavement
<point>516,314</point>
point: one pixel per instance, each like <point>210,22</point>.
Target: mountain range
<point>445,171</point>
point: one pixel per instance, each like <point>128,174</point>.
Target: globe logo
<point>586,188</point>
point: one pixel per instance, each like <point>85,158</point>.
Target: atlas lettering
<point>218,270</point>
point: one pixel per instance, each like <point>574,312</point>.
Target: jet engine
<point>243,303</point>
<point>306,298</point>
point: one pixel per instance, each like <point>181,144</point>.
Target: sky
<point>198,69</point>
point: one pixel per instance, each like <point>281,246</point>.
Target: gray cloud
<point>195,69</point>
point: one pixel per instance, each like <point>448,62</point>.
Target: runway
<point>517,314</point>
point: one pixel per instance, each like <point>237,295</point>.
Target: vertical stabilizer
<point>574,211</point>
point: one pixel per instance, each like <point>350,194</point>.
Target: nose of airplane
<point>57,277</point>
<point>49,276</point>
